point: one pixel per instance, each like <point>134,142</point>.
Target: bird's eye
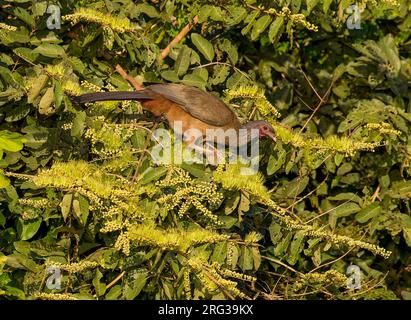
<point>265,128</point>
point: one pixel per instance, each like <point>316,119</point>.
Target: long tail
<point>107,96</point>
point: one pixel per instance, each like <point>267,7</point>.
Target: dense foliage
<point>80,193</point>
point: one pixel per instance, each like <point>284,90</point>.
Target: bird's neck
<point>246,134</point>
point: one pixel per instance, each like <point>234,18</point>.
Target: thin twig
<point>281,264</point>
<point>312,87</point>
<point>370,288</point>
<point>308,194</point>
<point>223,64</point>
<point>328,211</point>
<point>179,37</point>
<point>112,283</point>
<point>331,262</point>
<point>322,99</point>
<point>128,78</point>
<point>305,103</point>
<point>146,145</point>
<point>376,194</point>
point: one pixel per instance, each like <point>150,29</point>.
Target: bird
<point>192,107</point>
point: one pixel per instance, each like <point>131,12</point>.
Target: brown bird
<point>196,109</point>
<point>193,109</point>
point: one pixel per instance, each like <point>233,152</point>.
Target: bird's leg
<point>213,155</point>
<point>217,155</point>
<point>160,118</point>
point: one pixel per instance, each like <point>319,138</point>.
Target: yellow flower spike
<point>104,19</point>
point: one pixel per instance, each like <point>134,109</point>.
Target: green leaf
<point>133,289</point>
<point>213,12</point>
<point>50,50</point>
<point>296,246</point>
<point>14,292</point>
<point>276,161</point>
<point>295,6</point>
<point>21,261</point>
<point>220,73</point>
<point>231,202</point>
<point>251,19</point>
<point>311,4</point>
<point>100,287</point>
<point>406,294</point>
<point>79,124</point>
<point>234,254</point>
<point>368,213</point>
<point>183,61</point>
<point>2,223</point>
<point>246,261</point>
<point>85,207</point>
<point>202,73</point>
<point>204,46</point>
<point>293,188</point>
<point>326,5</point>
<point>194,80</point>
<point>256,257</point>
<point>18,36</point>
<point>219,253</point>
<point>25,16</point>
<point>46,101</point>
<point>58,94</point>
<point>76,209</point>
<point>237,15</point>
<point>4,181</point>
<point>344,168</point>
<point>11,141</point>
<point>65,205</point>
<point>400,190</point>
<point>259,26</point>
<point>236,80</point>
<point>283,245</point>
<point>81,209</point>
<point>275,232</point>
<point>114,293</point>
<point>149,10</point>
<point>196,169</point>
<point>18,113</point>
<point>170,75</point>
<point>230,49</point>
<point>407,236</point>
<point>344,196</point>
<point>152,174</point>
<point>276,29</point>
<point>36,88</point>
<point>346,209</point>
<point>39,8</point>
<point>27,229</point>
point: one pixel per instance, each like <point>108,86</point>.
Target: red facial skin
<point>267,131</point>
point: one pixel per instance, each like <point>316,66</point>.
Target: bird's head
<point>264,128</point>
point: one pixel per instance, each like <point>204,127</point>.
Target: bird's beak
<point>271,135</point>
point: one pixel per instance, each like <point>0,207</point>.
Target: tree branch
<point>179,37</point>
<point>128,78</point>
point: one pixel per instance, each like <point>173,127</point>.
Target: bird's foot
<point>158,119</point>
<point>214,156</point>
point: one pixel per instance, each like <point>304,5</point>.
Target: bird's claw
<point>214,156</point>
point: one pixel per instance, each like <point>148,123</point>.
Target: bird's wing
<point>201,105</point>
